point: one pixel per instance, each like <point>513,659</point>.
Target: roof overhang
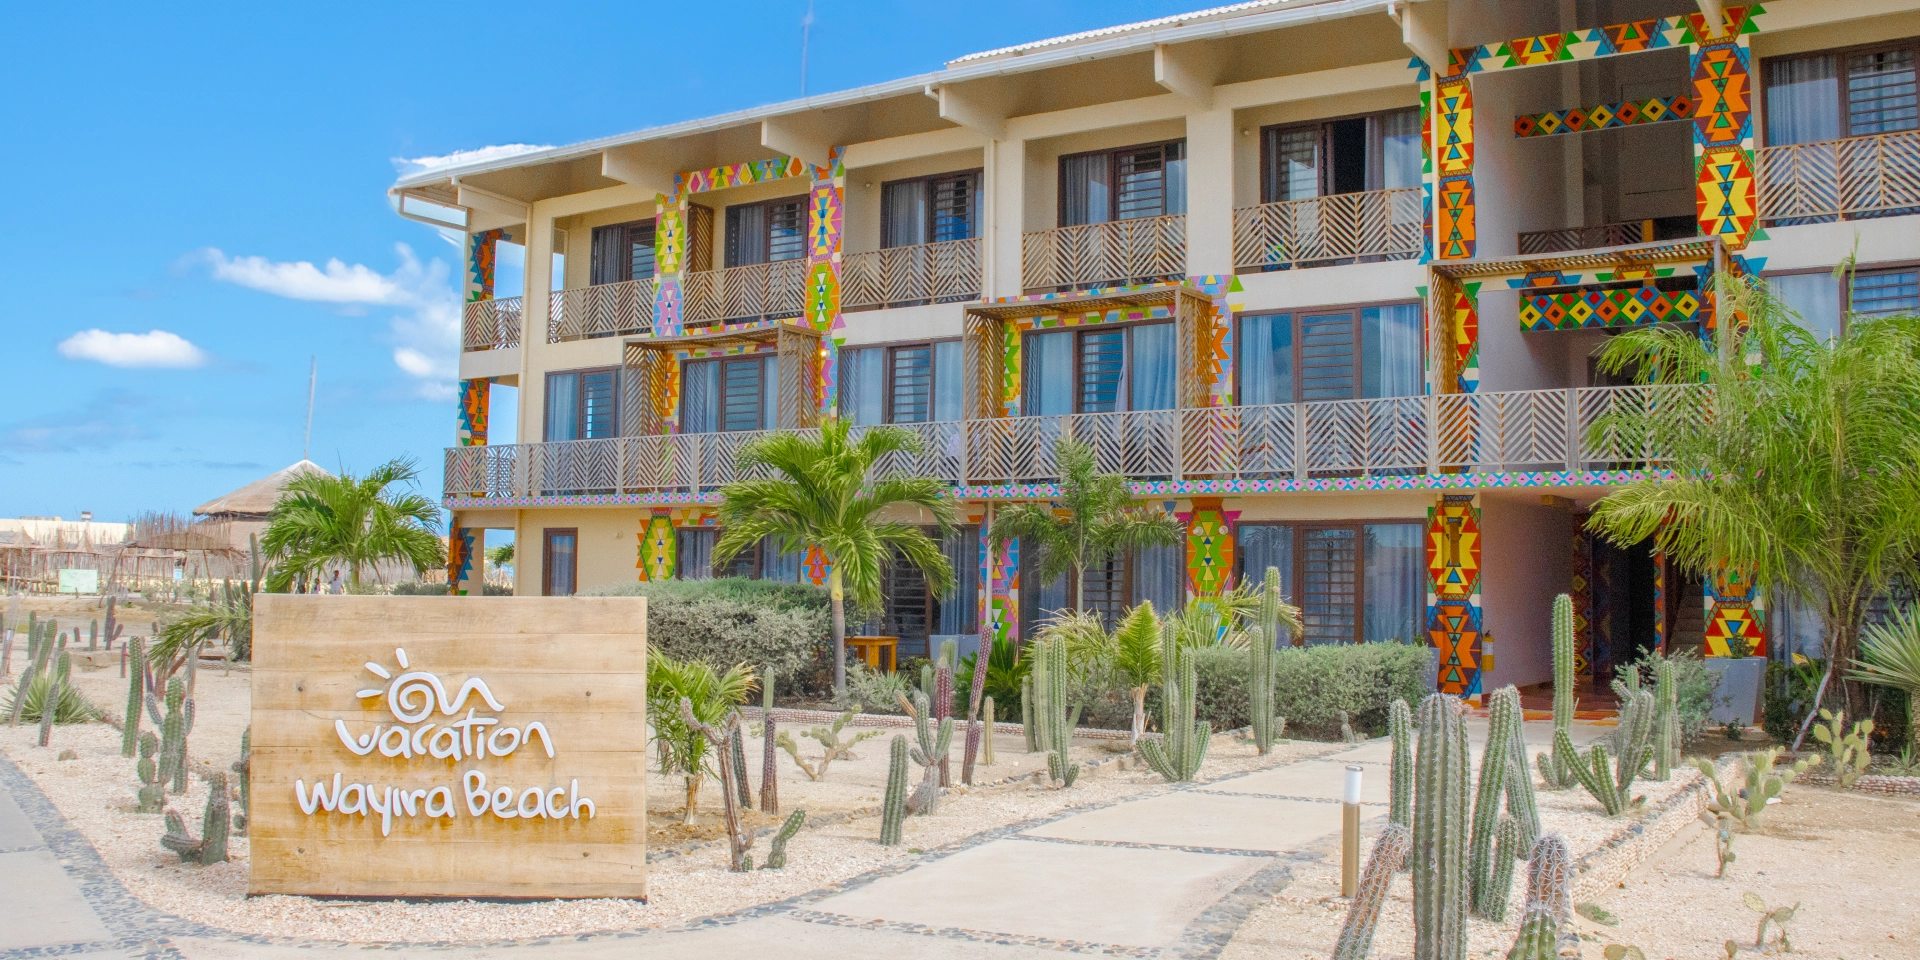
<point>1093,301</point>
<point>1692,250</point>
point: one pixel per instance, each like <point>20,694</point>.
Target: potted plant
<point>1741,674</point>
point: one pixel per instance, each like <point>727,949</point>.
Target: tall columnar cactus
<point>977,701</point>
<point>1538,938</point>
<point>1027,727</point>
<point>243,773</point>
<point>1389,856</point>
<point>1263,654</point>
<point>1181,747</point>
<point>174,727</point>
<point>738,744</point>
<point>1633,741</point>
<point>986,732</point>
<point>1550,895</point>
<point>56,688</point>
<point>1054,721</point>
<point>136,693</point>
<point>152,794</point>
<point>1400,776</point>
<point>215,825</point>
<point>1666,720</point>
<point>93,635</point>
<point>769,768</point>
<point>930,748</point>
<point>893,809</point>
<point>1496,778</point>
<point>1556,768</point>
<point>38,648</point>
<point>1509,847</point>
<point>1438,857</point>
<point>114,626</point>
<point>943,702</point>
<point>777,856</point>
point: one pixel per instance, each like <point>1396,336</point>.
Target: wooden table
<point>873,650</point>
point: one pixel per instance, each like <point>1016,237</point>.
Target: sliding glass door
<point>1353,582</point>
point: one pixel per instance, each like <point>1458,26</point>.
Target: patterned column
<point>826,210</point>
<point>476,399</point>
<point>669,257</point>
<point>1660,629</point>
<point>466,549</point>
<point>1721,61</point>
<point>1453,161</point>
<point>659,549</point>
<point>999,592</point>
<point>1453,593</point>
<point>1580,590</point>
<point>1209,548</point>
<point>480,261</point>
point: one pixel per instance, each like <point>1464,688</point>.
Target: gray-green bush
<point>782,626</point>
<point>1313,685</point>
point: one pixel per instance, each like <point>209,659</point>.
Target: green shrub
<point>774,593</point>
<point>73,708</point>
<point>1696,687</point>
<point>872,691</point>
<point>1787,695</point>
<point>1313,684</point>
<point>1220,682</point>
<point>785,626</point>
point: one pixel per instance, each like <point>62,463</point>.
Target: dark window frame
<point>1359,343</point>
<point>1376,159</point>
<point>579,402</point>
<point>933,376</point>
<point>1846,287</point>
<point>732,240</point>
<point>976,174</point>
<point>1123,575</point>
<point>547,535</point>
<point>1840,104</point>
<point>769,418</point>
<point>1297,576</point>
<point>1125,402</point>
<point>623,266</point>
<point>1113,177</point>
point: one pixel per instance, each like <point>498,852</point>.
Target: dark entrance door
<point>1623,609</point>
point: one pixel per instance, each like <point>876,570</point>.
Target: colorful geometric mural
<point>1726,197</point>
<point>1580,588</point>
<point>1453,592</point>
<point>1209,548</point>
<point>826,212</point>
<point>1606,116</point>
<point>1453,193</point>
<point>1732,609</point>
<point>1000,574</point>
<point>1220,289</point>
<point>1589,44</point>
<point>814,565</point>
<point>460,551</point>
<point>659,548</point>
<point>1464,335</point>
<point>1660,597</point>
<point>481,252</point>
<point>1593,308</point>
<point>476,397</point>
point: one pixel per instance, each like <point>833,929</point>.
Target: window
<point>1113,586</point>
<point>1815,297</point>
<point>960,611</point>
<point>1125,184</point>
<point>559,562</point>
<point>906,383</point>
<point>762,561</point>
<point>766,232</point>
<point>930,209</point>
<point>1880,293</point>
<point>583,405</point>
<point>1376,152</point>
<point>621,252</point>
<point>1101,369</point>
<point>729,393</point>
<point>1338,353</point>
<point>1845,93</point>
<point>1357,582</point>
<point>911,611</point>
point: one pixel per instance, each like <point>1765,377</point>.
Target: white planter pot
<point>1737,698</point>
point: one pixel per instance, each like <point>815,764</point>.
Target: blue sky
<point>196,206</point>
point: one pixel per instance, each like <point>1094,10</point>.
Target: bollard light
<point>1350,833</point>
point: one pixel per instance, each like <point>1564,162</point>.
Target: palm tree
<point>1807,471</point>
<point>1131,651</point>
<point>682,749</point>
<point>1094,518</point>
<point>1890,657</point>
<point>818,491</point>
<point>352,521</point>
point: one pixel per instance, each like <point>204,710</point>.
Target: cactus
<point>894,808</point>
<point>242,770</point>
<point>37,650</point>
<point>738,744</point>
<point>1556,768</point>
<point>829,740</point>
<point>93,635</point>
<point>986,733</point>
<point>739,838</point>
<point>1176,754</point>
<point>1666,720</point>
<point>769,737</point>
<point>1778,916</point>
<point>136,692</point>
<point>1633,739</point>
<point>978,701</point>
<point>1263,654</point>
<point>1346,730</point>
<point>1026,714</point>
<point>1438,855</point>
<point>1389,856</point>
<point>929,749</point>
<point>1722,826</point>
<point>50,702</point>
<point>1504,772</point>
<point>1510,845</point>
<point>1054,722</point>
<point>114,626</point>
<point>174,728</point>
<point>1748,804</point>
<point>1545,926</point>
<point>1537,939</point>
<point>211,846</point>
<point>777,857</point>
<point>942,695</point>
<point>152,794</point>
<point>1847,753</point>
<point>1400,728</point>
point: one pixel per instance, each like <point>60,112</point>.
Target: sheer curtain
<point>1390,345</point>
<point>1160,576</point>
<point>1400,149</point>
<point>1049,374</point>
<point>1152,361</point>
<point>774,565</point>
<point>1293,163</point>
<point>1815,297</point>
<point>563,407</point>
<point>695,548</point>
<point>562,571</point>
<point>1266,359</point>
<point>862,375</point>
<point>903,214</point>
<point>770,393</point>
<point>700,397</point>
<point>1175,173</point>
<point>1394,579</point>
<point>1085,190</point>
<point>1803,100</point>
<point>1258,546</point>
<point>946,381</point>
<point>959,609</point>
<point>746,235</point>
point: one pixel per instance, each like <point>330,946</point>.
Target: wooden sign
<point>449,746</point>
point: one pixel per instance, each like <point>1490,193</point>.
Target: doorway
<point>1624,611</point>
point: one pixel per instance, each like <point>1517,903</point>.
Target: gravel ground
<point>96,794</point>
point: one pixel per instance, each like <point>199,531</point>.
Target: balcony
<point>602,310</point>
<point>1848,179</point>
<point>1100,254</point>
<point>1483,432</point>
<point>906,276</point>
<point>758,291</point>
<point>1374,224</point>
<point>490,324</point>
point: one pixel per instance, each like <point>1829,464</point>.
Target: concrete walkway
<point>1169,875</point>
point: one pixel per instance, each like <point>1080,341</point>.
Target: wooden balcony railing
<point>490,324</point>
<point>1119,251</point>
<point>1573,239</point>
<point>1385,224</point>
<point>1853,178</point>
<point>602,310</point>
<point>762,290</point>
<point>902,276</point>
<point>1478,432</point>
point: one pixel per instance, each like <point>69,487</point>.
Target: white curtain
<point>946,381</point>
<point>700,397</point>
<point>1400,149</point>
<point>1394,579</point>
<point>1084,190</point>
<point>1803,100</point>
<point>1815,297</point>
<point>563,407</point>
<point>958,610</point>
<point>1160,576</point>
<point>1259,546</point>
<point>862,379</point>
<point>695,548</point>
<point>1152,361</point>
<point>904,214</point>
<point>1390,344</point>
<point>1266,359</point>
<point>1049,377</point>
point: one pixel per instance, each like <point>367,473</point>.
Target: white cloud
<point>155,348</point>
<point>426,334</point>
<point>459,157</point>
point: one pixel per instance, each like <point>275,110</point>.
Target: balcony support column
<point>1005,218</point>
<point>1453,593</point>
<point>1210,140</point>
<point>466,559</point>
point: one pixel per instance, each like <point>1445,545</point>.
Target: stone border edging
<point>1868,783</point>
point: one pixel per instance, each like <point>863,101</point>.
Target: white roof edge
<point>1213,13</point>
<point>1055,54</point>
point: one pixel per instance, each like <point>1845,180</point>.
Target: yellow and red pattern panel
<point>1453,593</point>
